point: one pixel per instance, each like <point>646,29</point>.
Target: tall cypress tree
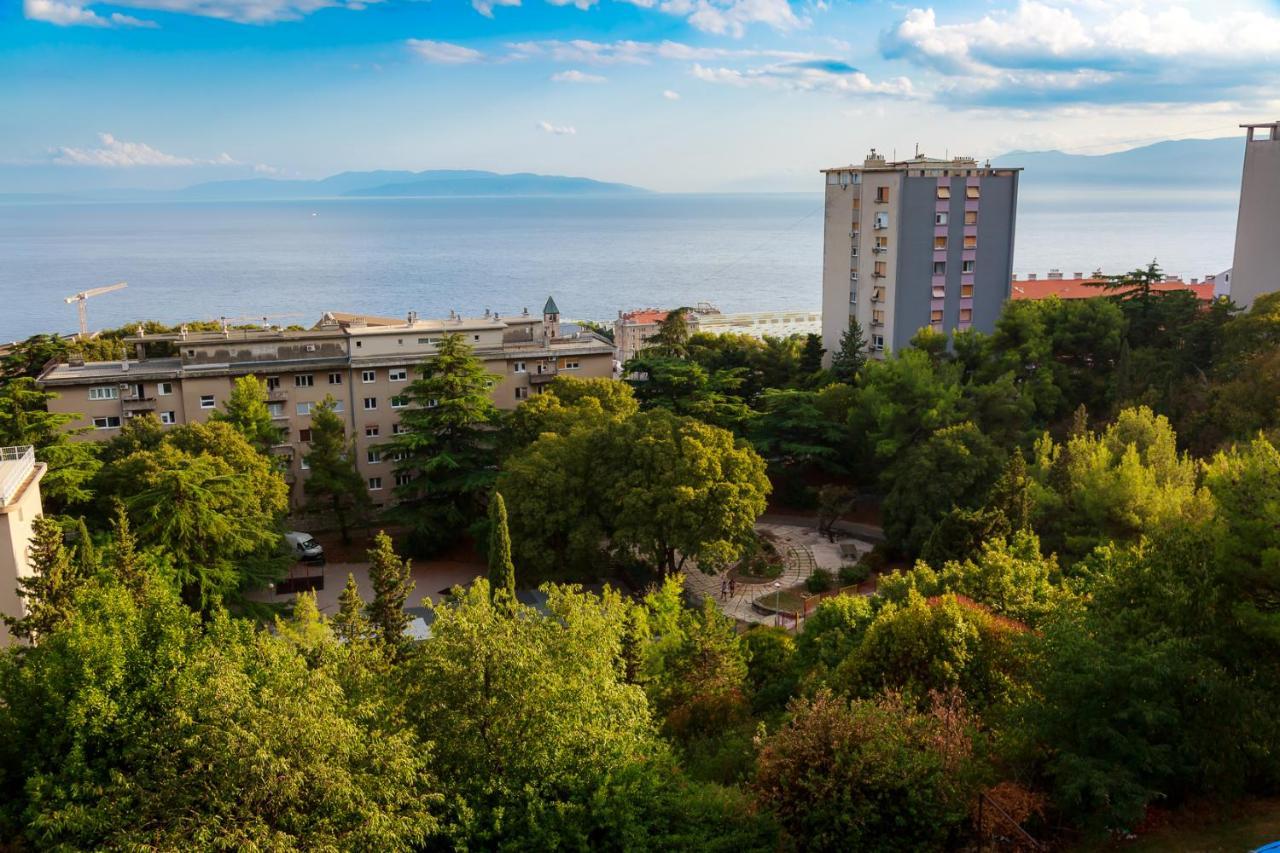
<point>350,624</point>
<point>502,572</point>
<point>811,356</point>
<point>446,446</point>
<point>392,582</point>
<point>124,552</point>
<point>334,484</point>
<point>86,554</point>
<point>48,592</point>
<point>852,354</point>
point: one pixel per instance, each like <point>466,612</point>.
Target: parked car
<point>304,547</point>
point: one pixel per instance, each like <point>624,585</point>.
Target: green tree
<point>24,419</point>
<point>446,445</point>
<point>811,356</point>
<point>86,555</point>
<point>125,560</point>
<point>502,572</point>
<point>688,388</point>
<point>672,337</point>
<point>247,411</point>
<point>334,483</point>
<point>27,358</point>
<point>48,592</point>
<point>564,403</point>
<point>392,579</point>
<point>847,361</point>
<point>350,624</point>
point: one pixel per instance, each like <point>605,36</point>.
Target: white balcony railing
<point>16,464</point>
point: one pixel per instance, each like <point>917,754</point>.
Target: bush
<point>854,573</point>
<point>820,581</point>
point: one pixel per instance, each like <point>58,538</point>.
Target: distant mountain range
<point>1176,164</point>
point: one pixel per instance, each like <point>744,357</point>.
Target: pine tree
<point>502,572</point>
<point>851,356</point>
<point>635,635</point>
<point>334,484</point>
<point>247,411</point>
<point>446,446</point>
<point>124,553</point>
<point>86,554</point>
<point>392,582</point>
<point>811,356</point>
<point>1011,494</point>
<point>49,590</point>
<point>672,337</point>
<point>350,624</point>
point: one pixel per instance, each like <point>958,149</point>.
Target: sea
<point>289,261</point>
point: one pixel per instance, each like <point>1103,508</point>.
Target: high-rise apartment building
<point>915,243</point>
<point>20,475</point>
<point>1256,269</point>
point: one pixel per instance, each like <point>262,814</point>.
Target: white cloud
<point>73,14</point>
<point>626,52</point>
<point>821,75</point>
<point>79,12</point>
<point>444,53</point>
<point>485,7</point>
<point>670,95</point>
<point>118,154</point>
<point>572,76</point>
<point>557,130</point>
<point>584,5</point>
<point>728,17</point>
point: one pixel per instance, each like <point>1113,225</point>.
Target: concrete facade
<point>1256,268</point>
<point>916,243</point>
<point>364,363</point>
<point>20,475</point>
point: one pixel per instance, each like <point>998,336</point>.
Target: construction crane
<point>80,298</point>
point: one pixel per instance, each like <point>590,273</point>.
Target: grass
<point>787,600</point>
<point>1242,828</point>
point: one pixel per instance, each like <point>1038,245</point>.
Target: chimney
<point>1031,276</point>
<point>1195,280</point>
<point>1077,275</point>
<point>1055,275</point>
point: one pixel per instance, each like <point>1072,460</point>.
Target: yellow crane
<point>83,295</point>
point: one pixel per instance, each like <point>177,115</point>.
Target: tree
<point>247,411</point>
<point>811,357</point>
<point>672,337</point>
<point>688,388</point>
<point>848,360</point>
<point>28,358</point>
<point>833,502</point>
<point>334,484</point>
<point>1012,493</point>
<point>446,445</point>
<point>502,572</point>
<point>24,419</point>
<point>86,555</point>
<point>350,624</point>
<point>48,592</point>
<point>125,560</point>
<point>392,579</point>
<point>564,403</point>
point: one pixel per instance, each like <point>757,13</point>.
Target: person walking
<point>724,588</point>
<point>733,586</point>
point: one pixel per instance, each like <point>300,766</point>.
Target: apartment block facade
<point>364,363</point>
<point>916,243</point>
<point>20,506</point>
<point>1256,268</point>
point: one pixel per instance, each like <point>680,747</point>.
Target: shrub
<point>820,581</point>
<point>854,573</point>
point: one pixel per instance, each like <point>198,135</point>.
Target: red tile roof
<point>645,315</point>
<point>1079,288</point>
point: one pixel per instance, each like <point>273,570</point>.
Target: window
<point>304,435</point>
<point>522,393</point>
<point>335,378</point>
<point>359,344</point>
<point>966,290</point>
<point>971,217</point>
<point>276,410</point>
<point>303,380</point>
<point>877,294</point>
<point>106,392</point>
<point>877,343</point>
<point>939,243</point>
<point>940,219</point>
<point>399,402</point>
<point>164,389</point>
<point>881,269</point>
<point>370,403</point>
<point>877,316</point>
<point>371,431</point>
<point>882,195</point>
<point>399,456</point>
<point>966,315</point>
<point>939,267</point>
<point>305,408</point>
<point>882,242</point>
<point>168,418</point>
<point>426,340</point>
<point>303,464</point>
<point>475,337</point>
<point>398,374</point>
<point>375,484</point>
<point>972,192</point>
<point>404,479</point>
<point>882,221</point>
<point>944,191</point>
<point>967,267</point>
<point>396,429</point>
<point>369,376</point>
<point>935,316</point>
<point>519,367</point>
<point>854,252</point>
<point>572,365</point>
<point>206,401</point>
<point>338,406</point>
<point>939,291</point>
<point>273,383</point>
<point>109,422</point>
<point>374,456</point>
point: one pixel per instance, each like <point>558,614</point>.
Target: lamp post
<point>777,602</point>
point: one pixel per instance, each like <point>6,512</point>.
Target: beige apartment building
<point>1256,269</point>
<point>20,475</point>
<point>364,362</point>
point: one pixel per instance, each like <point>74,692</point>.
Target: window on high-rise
<point>971,217</point>
<point>882,194</point>
<point>939,243</point>
<point>968,266</point>
<point>971,242</point>
<point>939,267</point>
<point>944,191</point>
<point>966,315</point>
<point>882,269</point>
<point>935,316</point>
<point>966,291</point>
<point>972,192</point>
<point>939,291</point>
<point>940,218</point>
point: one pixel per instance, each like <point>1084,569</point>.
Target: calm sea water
<point>293,260</point>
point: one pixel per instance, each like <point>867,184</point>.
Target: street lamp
<point>777,602</point>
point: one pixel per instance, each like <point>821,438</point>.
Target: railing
<point>16,464</point>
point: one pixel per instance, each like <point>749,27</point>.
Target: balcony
<point>877,275</point>
<point>277,395</point>
<point>880,250</point>
<point>543,378</point>
<point>16,465</point>
<point>133,404</point>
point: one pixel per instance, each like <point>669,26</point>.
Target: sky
<point>672,95</point>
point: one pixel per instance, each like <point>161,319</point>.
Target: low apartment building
<point>633,329</point>
<point>364,362</point>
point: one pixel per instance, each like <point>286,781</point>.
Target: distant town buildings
<point>1256,268</point>
<point>916,243</point>
<point>20,475</point>
<point>364,362</point>
<point>1081,286</point>
<point>633,328</point>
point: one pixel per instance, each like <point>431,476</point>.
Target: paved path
<point>805,539</point>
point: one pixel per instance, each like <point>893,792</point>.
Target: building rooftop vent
<point>1077,275</point>
<point>1031,276</point>
<point>1055,275</point>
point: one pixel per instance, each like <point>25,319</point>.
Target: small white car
<point>304,547</point>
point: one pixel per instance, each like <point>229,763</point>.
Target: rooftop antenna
<point>917,150</point>
<point>83,295</point>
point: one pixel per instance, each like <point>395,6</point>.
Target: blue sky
<point>669,94</point>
